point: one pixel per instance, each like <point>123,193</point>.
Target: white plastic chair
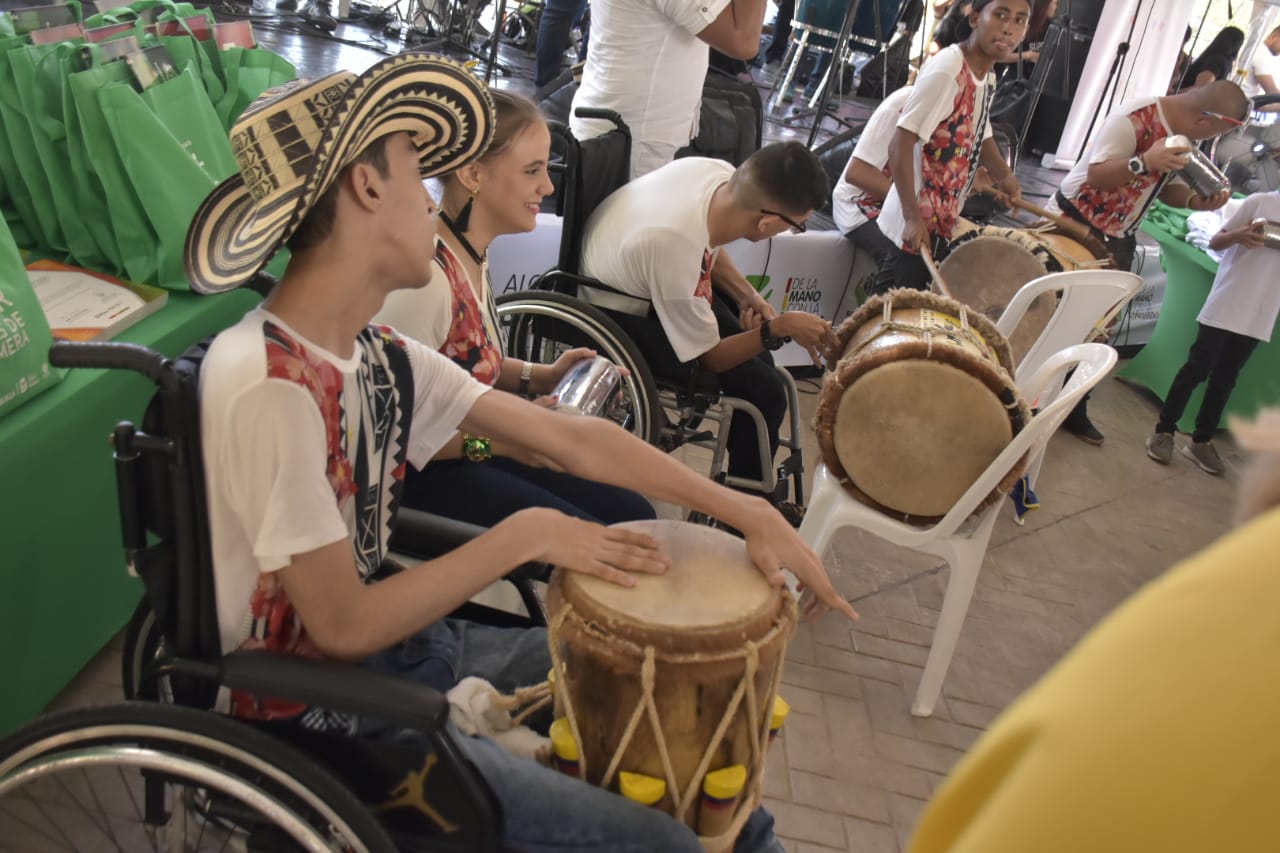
<point>957,539</point>
<point>1089,299</point>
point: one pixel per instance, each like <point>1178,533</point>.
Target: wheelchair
<point>565,309</point>
<point>175,775</point>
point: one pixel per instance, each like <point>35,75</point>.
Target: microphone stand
<point>1113,76</point>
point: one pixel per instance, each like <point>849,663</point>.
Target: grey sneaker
<point>1160,447</point>
<point>1204,454</point>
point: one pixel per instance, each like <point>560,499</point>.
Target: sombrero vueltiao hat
<point>293,142</point>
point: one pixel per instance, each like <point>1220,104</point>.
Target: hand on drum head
<point>774,545</point>
<point>584,546</point>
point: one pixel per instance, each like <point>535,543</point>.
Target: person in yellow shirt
<point>1157,732</point>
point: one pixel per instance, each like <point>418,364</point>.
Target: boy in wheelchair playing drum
<point>309,415</point>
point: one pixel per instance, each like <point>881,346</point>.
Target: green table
<point>1190,277</point>
<point>64,591</point>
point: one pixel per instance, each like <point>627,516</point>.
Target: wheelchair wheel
<point>143,643</point>
<point>139,776</point>
<point>540,325</point>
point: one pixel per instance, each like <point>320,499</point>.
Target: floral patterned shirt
<point>473,342</point>
<point>1118,211</point>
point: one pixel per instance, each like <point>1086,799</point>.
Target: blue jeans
<point>485,493</point>
<point>558,18</point>
<point>543,811</point>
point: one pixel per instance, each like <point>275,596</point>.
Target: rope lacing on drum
<point>888,324</point>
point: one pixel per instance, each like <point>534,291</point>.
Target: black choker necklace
<point>478,257</point>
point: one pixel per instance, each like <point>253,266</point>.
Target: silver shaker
<point>1270,232</point>
<point>593,386</point>
<point>1200,173</point>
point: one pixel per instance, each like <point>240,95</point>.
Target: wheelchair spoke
<point>11,815</point>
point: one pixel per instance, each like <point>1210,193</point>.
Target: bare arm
<point>1268,84</point>
<point>872,181</point>
<point>752,307</point>
<point>736,30</point>
<point>350,620</point>
<point>596,449</point>
<point>902,165</point>
<point>1159,158</point>
<point>1249,236</point>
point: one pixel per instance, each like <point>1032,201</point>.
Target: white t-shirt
<point>872,149</point>
<point>300,451</point>
<point>931,102</point>
<point>1123,207</point>
<point>646,63</point>
<point>650,239</point>
<point>1245,298</point>
<point>1265,63</point>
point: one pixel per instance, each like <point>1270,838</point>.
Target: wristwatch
<point>1137,165</point>
<point>526,375</point>
<point>769,340</point>
<point>476,448</point>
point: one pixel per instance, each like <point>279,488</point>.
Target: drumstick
<point>1075,230</point>
<point>938,280</point>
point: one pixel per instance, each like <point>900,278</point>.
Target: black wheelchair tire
<point>237,753</point>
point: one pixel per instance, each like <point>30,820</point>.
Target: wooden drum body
<point>988,265</point>
<point>674,677</point>
<point>919,405</point>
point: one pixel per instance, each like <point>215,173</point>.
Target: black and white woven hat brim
<point>443,106</point>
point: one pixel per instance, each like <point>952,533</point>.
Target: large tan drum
<point>988,264</point>
<point>676,676</point>
<point>920,403</point>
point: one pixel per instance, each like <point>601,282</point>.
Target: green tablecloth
<point>1190,277</point>
<point>64,591</point>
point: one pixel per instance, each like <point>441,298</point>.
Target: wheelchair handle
<point>109,356</point>
<point>603,114</point>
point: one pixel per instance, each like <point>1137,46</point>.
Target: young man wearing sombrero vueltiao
<point>309,415</point>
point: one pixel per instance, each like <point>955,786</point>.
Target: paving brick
<point>807,745</point>
<point>910,632</point>
<point>806,847</point>
<point>801,699</point>
<point>890,649</point>
<point>885,774</point>
<point>777,782</point>
<point>867,837</point>
<point>834,631</point>
<point>915,753</point>
<point>804,823</point>
<point>853,663</point>
<point>822,678</point>
<point>840,796</point>
<point>800,649</point>
<point>905,813</point>
<point>849,727</point>
<point>970,714</point>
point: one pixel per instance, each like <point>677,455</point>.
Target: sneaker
<point>1204,454</point>
<point>317,14</point>
<point>1160,447</point>
<point>1083,429</point>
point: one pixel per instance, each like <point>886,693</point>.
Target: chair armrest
<point>335,685</point>
<point>425,535</point>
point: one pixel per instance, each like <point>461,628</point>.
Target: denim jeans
<point>485,493</point>
<point>543,811</point>
<point>1216,355</point>
<point>554,27</point>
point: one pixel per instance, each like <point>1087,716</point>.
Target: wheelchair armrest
<point>426,535</point>
<point>335,685</point>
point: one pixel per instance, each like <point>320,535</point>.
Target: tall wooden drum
<point>919,405</point>
<point>675,677</point>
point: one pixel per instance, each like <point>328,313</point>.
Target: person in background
<point>1241,311</point>
<point>554,27</point>
<point>781,34</point>
<point>942,136</point>
<point>1183,63</point>
<point>662,237</point>
<point>1129,165</point>
<point>472,479</point>
<point>1157,731</point>
<point>1264,71</point>
<point>648,61</point>
<point>1217,61</point>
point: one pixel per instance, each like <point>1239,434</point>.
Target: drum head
<point>984,272</point>
<point>935,429</point>
<point>712,585</point>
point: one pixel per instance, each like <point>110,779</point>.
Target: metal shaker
<point>1270,233</point>
<point>591,387</point>
<point>1200,173</point>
